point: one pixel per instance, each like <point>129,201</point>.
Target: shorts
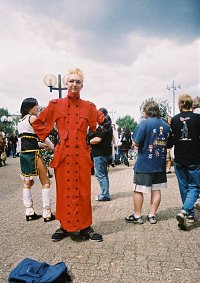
<point>147,182</point>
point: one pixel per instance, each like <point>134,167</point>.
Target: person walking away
<point>101,149</point>
<point>71,162</point>
<point>196,109</point>
<point>126,144</point>
<point>114,146</point>
<point>186,139</point>
<point>170,151</point>
<point>2,151</point>
<point>150,137</point>
<point>31,161</point>
<point>13,143</point>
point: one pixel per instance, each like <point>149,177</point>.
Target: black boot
<point>50,218</point>
<point>33,217</point>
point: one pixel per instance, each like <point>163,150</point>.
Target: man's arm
<point>135,144</point>
<point>95,140</point>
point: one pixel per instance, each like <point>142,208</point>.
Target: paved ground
<point>129,253</point>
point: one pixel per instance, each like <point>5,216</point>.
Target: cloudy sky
<point>129,50</point>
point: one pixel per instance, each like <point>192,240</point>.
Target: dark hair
<point>151,108</point>
<point>126,132</point>
<point>104,111</point>
<point>27,105</point>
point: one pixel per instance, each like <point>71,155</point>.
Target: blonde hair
<point>76,71</point>
<point>185,102</point>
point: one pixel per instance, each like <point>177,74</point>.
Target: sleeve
<point>96,116</point>
<point>139,134</point>
<point>49,143</point>
<point>44,123</point>
<point>170,140</point>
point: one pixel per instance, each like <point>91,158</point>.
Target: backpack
<point>32,271</point>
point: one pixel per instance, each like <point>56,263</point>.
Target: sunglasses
<point>75,81</point>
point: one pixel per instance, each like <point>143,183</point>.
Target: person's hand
<point>43,145</point>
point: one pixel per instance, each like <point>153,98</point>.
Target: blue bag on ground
<point>32,271</point>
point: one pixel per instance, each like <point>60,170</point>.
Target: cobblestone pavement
<point>129,253</point>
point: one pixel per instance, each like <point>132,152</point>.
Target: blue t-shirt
<point>151,135</point>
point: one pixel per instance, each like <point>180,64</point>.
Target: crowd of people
<point>86,138</point>
<point>9,146</point>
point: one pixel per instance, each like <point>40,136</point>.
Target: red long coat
<point>72,161</point>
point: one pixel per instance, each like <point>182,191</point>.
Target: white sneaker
<point>182,218</point>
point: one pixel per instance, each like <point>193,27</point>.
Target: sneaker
<point>133,219</point>
<point>59,235</point>
<point>85,235</point>
<point>182,218</point>
<point>190,219</point>
<point>97,198</point>
<point>152,219</point>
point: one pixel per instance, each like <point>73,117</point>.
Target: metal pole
<point>59,86</point>
<point>173,87</point>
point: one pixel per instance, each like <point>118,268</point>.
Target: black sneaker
<point>59,235</point>
<point>86,234</point>
<point>133,219</point>
<point>97,198</point>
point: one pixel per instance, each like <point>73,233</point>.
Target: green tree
<point>7,127</point>
<point>165,109</point>
<point>126,121</point>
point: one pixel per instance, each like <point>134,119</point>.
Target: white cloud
<point>118,77</point>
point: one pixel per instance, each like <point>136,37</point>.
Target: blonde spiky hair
<point>76,71</point>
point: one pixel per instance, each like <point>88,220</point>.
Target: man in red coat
<point>72,162</point>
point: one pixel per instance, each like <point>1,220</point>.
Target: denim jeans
<point>101,172</point>
<point>189,185</point>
